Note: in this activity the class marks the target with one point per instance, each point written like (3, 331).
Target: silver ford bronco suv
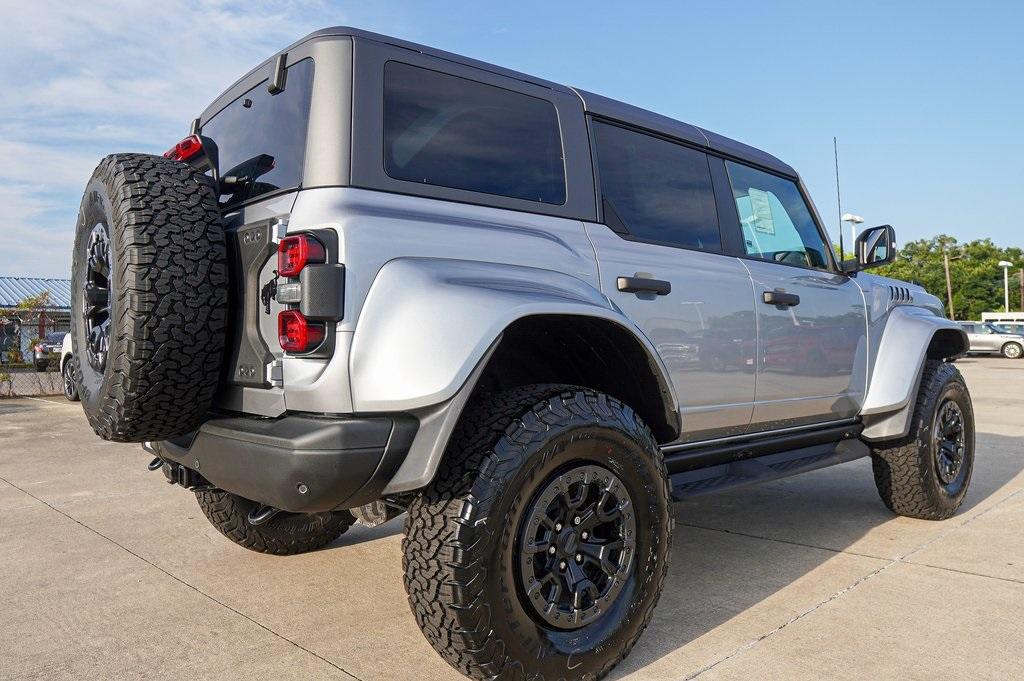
(380, 278)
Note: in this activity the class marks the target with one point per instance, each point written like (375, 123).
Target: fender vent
(899, 295)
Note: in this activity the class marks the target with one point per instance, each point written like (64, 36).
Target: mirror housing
(874, 247)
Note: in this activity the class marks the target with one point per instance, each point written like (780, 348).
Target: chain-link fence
(18, 380)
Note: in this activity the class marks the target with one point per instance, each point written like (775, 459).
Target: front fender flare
(427, 323)
(910, 337)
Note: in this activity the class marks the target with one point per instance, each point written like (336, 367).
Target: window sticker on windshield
(761, 208)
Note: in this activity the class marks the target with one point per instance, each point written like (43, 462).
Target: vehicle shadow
(359, 534)
(735, 550)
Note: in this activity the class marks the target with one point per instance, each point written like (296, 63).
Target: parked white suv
(992, 338)
(378, 277)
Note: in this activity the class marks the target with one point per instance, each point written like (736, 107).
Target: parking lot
(108, 572)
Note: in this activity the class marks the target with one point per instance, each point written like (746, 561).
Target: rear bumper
(303, 464)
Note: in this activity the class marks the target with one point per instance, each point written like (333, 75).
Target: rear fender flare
(428, 323)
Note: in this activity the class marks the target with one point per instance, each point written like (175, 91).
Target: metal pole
(839, 203)
(949, 283)
(1006, 289)
(1022, 289)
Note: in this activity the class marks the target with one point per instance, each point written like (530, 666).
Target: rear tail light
(295, 252)
(39, 348)
(296, 333)
(186, 149)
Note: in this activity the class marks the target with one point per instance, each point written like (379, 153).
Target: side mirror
(873, 248)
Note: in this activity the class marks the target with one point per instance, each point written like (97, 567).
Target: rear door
(662, 262)
(812, 333)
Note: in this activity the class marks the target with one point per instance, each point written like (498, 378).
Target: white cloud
(84, 79)
(29, 249)
(27, 162)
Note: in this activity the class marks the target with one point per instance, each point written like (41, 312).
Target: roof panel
(602, 106)
(13, 290)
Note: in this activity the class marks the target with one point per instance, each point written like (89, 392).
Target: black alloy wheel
(576, 546)
(96, 300)
(948, 442)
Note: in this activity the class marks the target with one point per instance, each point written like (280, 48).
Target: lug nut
(561, 565)
(551, 549)
(558, 527)
(579, 557)
(584, 535)
(576, 520)
(302, 488)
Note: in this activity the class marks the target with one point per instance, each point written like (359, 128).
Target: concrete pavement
(107, 572)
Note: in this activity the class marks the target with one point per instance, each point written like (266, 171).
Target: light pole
(854, 220)
(949, 280)
(1006, 284)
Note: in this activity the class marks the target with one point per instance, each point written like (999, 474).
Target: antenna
(839, 202)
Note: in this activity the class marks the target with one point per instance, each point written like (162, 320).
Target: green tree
(976, 277)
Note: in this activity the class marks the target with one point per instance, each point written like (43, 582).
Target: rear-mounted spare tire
(149, 300)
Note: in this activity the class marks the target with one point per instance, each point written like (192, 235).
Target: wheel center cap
(570, 542)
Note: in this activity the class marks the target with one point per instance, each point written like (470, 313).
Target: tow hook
(261, 514)
(177, 474)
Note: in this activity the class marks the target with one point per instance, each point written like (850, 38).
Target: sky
(925, 98)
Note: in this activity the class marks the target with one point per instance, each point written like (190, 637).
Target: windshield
(260, 138)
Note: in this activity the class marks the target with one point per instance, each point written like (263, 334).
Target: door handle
(780, 298)
(642, 285)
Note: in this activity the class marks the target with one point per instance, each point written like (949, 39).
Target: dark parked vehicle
(46, 353)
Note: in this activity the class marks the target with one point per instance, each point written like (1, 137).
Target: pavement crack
(778, 541)
(850, 587)
(183, 582)
(1011, 580)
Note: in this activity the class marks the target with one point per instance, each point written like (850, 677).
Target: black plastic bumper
(303, 464)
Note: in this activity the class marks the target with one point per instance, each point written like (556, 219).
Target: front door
(661, 263)
(812, 333)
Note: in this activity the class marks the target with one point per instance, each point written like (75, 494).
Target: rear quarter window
(261, 138)
(453, 132)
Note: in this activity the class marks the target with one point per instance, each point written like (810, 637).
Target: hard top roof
(592, 103)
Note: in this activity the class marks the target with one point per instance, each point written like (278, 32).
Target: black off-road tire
(907, 472)
(462, 533)
(285, 534)
(165, 293)
(1013, 350)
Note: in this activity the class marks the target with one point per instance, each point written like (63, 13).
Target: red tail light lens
(295, 252)
(296, 333)
(185, 149)
(39, 348)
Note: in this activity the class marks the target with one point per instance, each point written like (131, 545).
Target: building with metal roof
(18, 328)
(13, 290)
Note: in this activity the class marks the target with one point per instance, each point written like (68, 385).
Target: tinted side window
(660, 191)
(453, 132)
(777, 225)
(261, 138)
